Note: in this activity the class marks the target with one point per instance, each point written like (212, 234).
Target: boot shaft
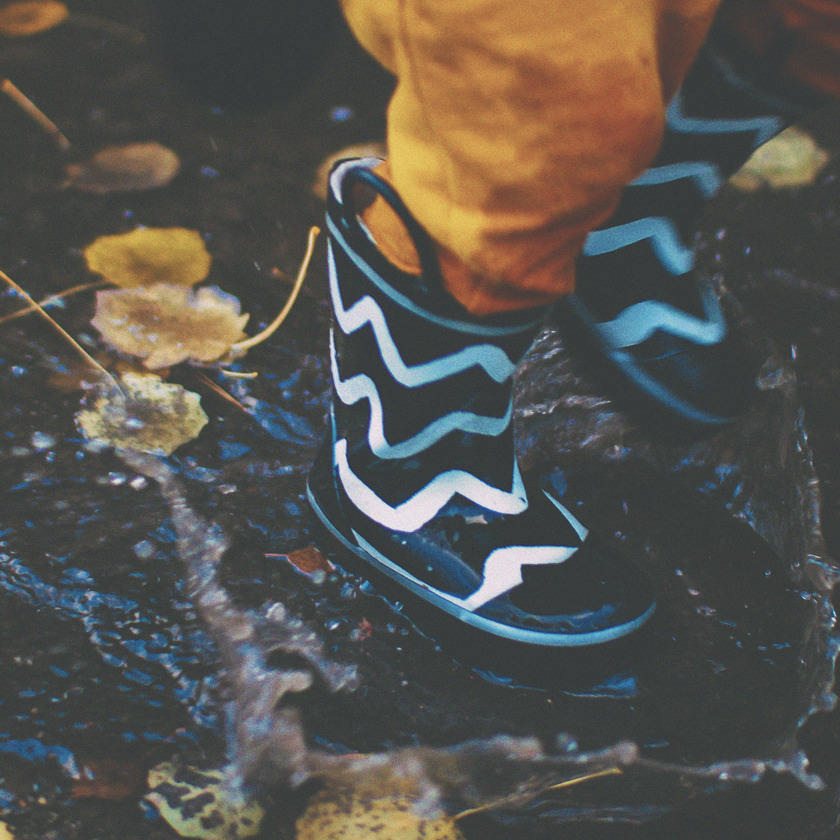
(422, 390)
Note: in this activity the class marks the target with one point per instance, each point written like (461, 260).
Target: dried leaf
(165, 325)
(137, 166)
(109, 779)
(150, 255)
(150, 416)
(372, 149)
(199, 803)
(29, 17)
(333, 815)
(307, 560)
(791, 159)
(5, 832)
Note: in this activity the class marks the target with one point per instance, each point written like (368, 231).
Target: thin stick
(50, 320)
(517, 799)
(30, 108)
(609, 771)
(237, 374)
(73, 290)
(217, 389)
(241, 346)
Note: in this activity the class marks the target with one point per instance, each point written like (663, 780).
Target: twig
(217, 389)
(242, 346)
(50, 320)
(609, 771)
(33, 111)
(237, 374)
(517, 799)
(73, 290)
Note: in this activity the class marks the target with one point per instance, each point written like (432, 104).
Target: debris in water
(133, 167)
(143, 256)
(791, 159)
(29, 17)
(165, 324)
(202, 803)
(309, 560)
(341, 815)
(146, 414)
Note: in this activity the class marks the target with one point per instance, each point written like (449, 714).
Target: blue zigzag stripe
(362, 387)
(662, 233)
(762, 127)
(424, 505)
(493, 360)
(705, 175)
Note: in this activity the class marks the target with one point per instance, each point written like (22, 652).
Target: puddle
(142, 599)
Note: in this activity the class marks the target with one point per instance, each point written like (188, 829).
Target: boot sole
(642, 395)
(441, 610)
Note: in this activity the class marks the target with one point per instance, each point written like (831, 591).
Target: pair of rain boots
(418, 478)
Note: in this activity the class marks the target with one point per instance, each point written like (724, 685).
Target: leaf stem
(519, 799)
(73, 290)
(242, 346)
(34, 112)
(75, 344)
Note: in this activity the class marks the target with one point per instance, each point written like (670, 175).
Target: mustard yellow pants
(515, 124)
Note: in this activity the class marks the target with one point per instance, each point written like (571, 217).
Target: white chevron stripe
(705, 175)
(762, 127)
(425, 504)
(503, 569)
(361, 387)
(662, 232)
(640, 321)
(492, 359)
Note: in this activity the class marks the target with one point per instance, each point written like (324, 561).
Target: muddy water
(719, 716)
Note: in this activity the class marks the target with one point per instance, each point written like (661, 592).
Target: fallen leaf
(5, 833)
(137, 166)
(150, 415)
(29, 17)
(333, 815)
(199, 803)
(791, 159)
(143, 256)
(307, 560)
(109, 779)
(373, 148)
(165, 325)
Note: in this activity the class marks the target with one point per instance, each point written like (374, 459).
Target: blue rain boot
(638, 302)
(418, 478)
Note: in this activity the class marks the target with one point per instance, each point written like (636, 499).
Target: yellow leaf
(149, 416)
(338, 815)
(198, 803)
(136, 166)
(28, 17)
(5, 833)
(791, 159)
(150, 255)
(165, 325)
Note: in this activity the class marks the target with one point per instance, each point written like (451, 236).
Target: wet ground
(720, 717)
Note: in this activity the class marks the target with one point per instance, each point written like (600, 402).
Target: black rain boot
(657, 324)
(418, 476)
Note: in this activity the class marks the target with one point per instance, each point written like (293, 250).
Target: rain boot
(655, 321)
(418, 478)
